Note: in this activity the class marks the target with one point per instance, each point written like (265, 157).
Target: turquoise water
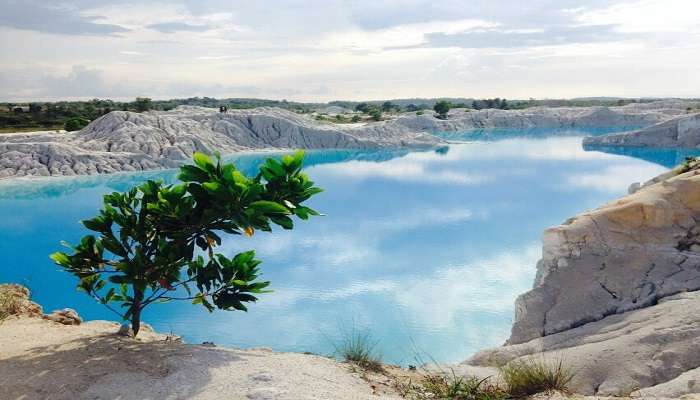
(426, 250)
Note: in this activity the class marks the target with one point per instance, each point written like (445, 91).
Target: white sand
(44, 360)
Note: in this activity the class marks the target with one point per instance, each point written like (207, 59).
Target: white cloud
(359, 50)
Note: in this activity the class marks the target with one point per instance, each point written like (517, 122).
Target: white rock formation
(546, 117)
(652, 349)
(681, 131)
(126, 141)
(616, 294)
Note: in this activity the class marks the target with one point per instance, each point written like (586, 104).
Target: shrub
(75, 124)
(376, 114)
(359, 349)
(143, 104)
(356, 118)
(442, 107)
(421, 112)
(530, 376)
(147, 237)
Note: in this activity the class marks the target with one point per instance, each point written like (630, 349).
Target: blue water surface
(426, 250)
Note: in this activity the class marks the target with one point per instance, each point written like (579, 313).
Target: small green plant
(360, 349)
(75, 124)
(375, 114)
(689, 164)
(529, 376)
(420, 112)
(356, 118)
(156, 241)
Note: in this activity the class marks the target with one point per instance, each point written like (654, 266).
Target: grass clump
(9, 304)
(459, 388)
(360, 349)
(530, 376)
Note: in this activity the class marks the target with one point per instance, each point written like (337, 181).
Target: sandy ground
(44, 360)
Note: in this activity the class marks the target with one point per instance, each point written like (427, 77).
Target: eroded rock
(623, 256)
(67, 316)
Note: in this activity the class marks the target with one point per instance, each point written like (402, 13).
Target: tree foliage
(442, 107)
(143, 104)
(157, 242)
(75, 124)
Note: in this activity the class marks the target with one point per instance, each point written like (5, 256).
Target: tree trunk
(136, 311)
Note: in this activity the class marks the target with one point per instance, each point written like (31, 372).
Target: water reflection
(428, 250)
(668, 158)
(494, 134)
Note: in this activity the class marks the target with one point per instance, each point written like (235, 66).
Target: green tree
(375, 113)
(363, 108)
(388, 106)
(356, 118)
(75, 124)
(143, 104)
(147, 238)
(442, 107)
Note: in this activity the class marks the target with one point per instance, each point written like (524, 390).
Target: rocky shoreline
(127, 141)
(616, 293)
(681, 131)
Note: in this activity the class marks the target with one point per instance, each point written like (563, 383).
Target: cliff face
(615, 293)
(126, 141)
(682, 131)
(625, 255)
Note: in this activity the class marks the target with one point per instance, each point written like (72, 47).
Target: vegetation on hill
(156, 242)
(54, 115)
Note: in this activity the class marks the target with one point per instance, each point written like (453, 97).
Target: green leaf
(203, 161)
(60, 258)
(268, 207)
(191, 173)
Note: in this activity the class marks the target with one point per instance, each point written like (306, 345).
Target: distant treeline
(74, 114)
(55, 115)
(477, 104)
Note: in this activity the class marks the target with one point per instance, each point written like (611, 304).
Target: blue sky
(337, 49)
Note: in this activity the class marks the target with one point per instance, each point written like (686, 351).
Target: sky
(348, 50)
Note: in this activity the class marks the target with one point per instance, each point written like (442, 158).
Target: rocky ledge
(681, 131)
(126, 141)
(616, 294)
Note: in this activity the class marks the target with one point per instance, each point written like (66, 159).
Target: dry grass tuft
(531, 376)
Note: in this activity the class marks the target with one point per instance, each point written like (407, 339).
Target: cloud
(360, 50)
(173, 27)
(46, 17)
(495, 38)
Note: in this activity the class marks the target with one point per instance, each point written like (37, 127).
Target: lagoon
(426, 250)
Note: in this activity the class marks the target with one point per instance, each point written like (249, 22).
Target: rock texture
(616, 294)
(682, 131)
(650, 351)
(67, 316)
(546, 117)
(126, 141)
(625, 255)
